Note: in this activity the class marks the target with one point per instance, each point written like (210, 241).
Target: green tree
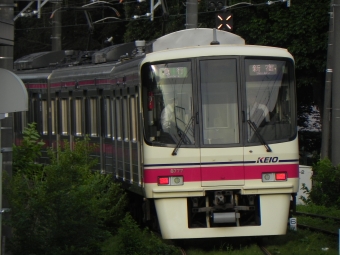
(27, 154)
(326, 185)
(66, 208)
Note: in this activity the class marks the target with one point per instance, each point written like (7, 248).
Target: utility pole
(191, 14)
(6, 121)
(327, 112)
(336, 87)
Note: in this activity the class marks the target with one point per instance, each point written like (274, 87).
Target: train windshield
(270, 100)
(219, 101)
(237, 100)
(169, 104)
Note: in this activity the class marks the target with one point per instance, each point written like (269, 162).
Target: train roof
(218, 50)
(195, 37)
(197, 42)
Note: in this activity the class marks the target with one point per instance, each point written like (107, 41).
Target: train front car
(220, 150)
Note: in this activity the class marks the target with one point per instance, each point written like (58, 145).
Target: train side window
(35, 111)
(23, 120)
(78, 117)
(113, 118)
(133, 121)
(119, 119)
(20, 119)
(44, 117)
(53, 117)
(107, 117)
(91, 114)
(125, 119)
(64, 116)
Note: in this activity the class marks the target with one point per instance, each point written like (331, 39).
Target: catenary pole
(326, 121)
(335, 155)
(191, 14)
(56, 27)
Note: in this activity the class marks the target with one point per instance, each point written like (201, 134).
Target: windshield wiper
(254, 127)
(178, 145)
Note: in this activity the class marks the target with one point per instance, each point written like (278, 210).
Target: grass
(327, 224)
(321, 210)
(301, 242)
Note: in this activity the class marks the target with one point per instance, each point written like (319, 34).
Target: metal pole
(326, 126)
(56, 30)
(191, 14)
(336, 87)
(0, 193)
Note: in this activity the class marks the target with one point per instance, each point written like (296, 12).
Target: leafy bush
(131, 240)
(65, 208)
(26, 154)
(326, 185)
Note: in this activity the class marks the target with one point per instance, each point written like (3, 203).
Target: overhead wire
(117, 20)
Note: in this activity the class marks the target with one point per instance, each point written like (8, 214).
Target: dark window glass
(219, 101)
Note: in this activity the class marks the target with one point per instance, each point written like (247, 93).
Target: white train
(200, 125)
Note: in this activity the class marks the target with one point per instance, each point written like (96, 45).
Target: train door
(219, 97)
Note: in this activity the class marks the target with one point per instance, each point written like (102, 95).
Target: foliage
(131, 240)
(28, 152)
(66, 208)
(326, 184)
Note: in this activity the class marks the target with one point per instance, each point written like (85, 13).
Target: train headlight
(273, 177)
(170, 180)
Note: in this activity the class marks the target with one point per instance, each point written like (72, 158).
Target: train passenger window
(35, 108)
(270, 100)
(20, 119)
(107, 117)
(133, 108)
(113, 118)
(78, 117)
(64, 127)
(168, 102)
(219, 101)
(23, 118)
(44, 113)
(93, 117)
(119, 119)
(125, 119)
(53, 115)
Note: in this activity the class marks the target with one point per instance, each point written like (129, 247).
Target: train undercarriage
(223, 208)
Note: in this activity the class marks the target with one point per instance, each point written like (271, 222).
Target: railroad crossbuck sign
(224, 21)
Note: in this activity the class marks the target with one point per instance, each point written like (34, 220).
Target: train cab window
(63, 115)
(78, 117)
(44, 117)
(270, 100)
(53, 116)
(133, 108)
(168, 102)
(219, 101)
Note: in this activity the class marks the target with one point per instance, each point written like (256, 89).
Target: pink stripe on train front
(218, 173)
